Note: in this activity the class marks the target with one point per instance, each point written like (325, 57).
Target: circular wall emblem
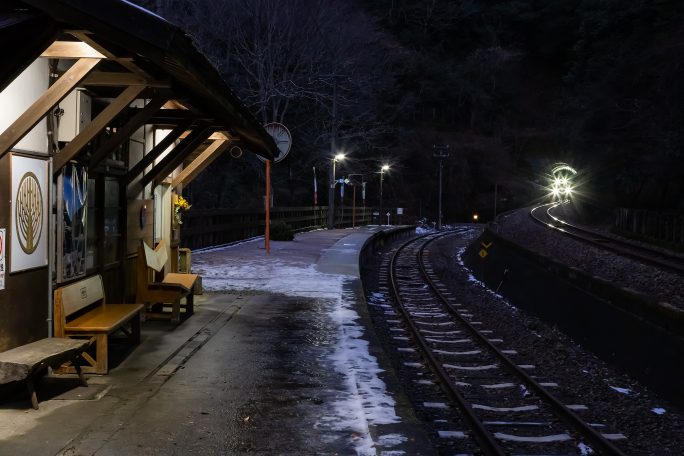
(29, 213)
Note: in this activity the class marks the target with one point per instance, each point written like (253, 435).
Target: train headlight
(561, 181)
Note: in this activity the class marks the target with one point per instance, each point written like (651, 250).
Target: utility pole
(496, 185)
(440, 152)
(333, 151)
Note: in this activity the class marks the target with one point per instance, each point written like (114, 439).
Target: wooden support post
(56, 93)
(267, 230)
(210, 154)
(32, 392)
(93, 128)
(124, 133)
(354, 208)
(79, 371)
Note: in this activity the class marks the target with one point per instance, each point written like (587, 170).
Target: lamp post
(440, 152)
(382, 173)
(354, 197)
(331, 190)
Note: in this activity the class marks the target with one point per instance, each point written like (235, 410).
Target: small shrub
(281, 231)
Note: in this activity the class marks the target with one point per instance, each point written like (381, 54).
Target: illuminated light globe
(561, 184)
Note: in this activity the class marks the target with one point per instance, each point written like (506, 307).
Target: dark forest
(511, 86)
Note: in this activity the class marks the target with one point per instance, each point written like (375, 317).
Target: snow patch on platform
(365, 400)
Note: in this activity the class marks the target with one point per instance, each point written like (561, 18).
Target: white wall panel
(18, 96)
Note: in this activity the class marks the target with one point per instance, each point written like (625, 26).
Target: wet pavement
(279, 358)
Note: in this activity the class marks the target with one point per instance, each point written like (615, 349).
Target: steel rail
(562, 410)
(488, 443)
(624, 248)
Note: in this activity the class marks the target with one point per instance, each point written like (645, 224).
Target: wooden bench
(157, 289)
(28, 362)
(82, 312)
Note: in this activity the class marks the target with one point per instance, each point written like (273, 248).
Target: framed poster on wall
(71, 226)
(28, 229)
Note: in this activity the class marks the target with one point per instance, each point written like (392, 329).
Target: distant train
(562, 182)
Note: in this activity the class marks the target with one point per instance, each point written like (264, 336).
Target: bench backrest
(74, 297)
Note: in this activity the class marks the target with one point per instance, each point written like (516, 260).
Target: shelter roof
(131, 34)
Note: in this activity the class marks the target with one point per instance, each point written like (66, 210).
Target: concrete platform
(279, 358)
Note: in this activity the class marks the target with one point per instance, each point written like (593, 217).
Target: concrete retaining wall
(633, 331)
(378, 240)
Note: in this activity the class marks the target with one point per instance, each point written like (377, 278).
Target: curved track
(507, 408)
(543, 215)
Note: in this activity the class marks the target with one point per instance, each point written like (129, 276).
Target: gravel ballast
(612, 397)
(520, 228)
(652, 426)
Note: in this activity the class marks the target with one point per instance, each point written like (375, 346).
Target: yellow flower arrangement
(180, 204)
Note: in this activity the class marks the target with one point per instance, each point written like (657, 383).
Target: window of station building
(91, 227)
(104, 223)
(112, 221)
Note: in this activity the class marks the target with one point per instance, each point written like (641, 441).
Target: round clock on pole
(283, 139)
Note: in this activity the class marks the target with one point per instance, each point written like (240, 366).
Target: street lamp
(331, 190)
(382, 173)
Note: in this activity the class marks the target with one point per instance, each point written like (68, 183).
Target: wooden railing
(210, 227)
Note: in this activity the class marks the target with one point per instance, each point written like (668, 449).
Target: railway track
(499, 406)
(543, 215)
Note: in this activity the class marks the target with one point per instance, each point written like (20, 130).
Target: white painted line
(471, 368)
(469, 352)
(516, 423)
(614, 436)
(438, 405)
(532, 439)
(427, 323)
(522, 408)
(456, 341)
(577, 407)
(499, 385)
(451, 434)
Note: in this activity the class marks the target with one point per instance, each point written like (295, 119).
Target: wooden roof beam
(96, 126)
(198, 165)
(173, 159)
(111, 79)
(124, 133)
(156, 151)
(71, 50)
(53, 95)
(214, 136)
(125, 62)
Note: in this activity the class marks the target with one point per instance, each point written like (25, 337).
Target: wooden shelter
(106, 109)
